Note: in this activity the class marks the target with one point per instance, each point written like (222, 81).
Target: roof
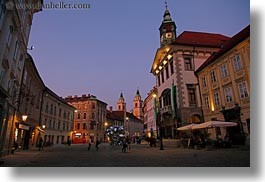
(84, 97)
(228, 45)
(119, 115)
(57, 97)
(200, 39)
(30, 60)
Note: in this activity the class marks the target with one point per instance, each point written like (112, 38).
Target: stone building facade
(15, 26)
(178, 95)
(57, 119)
(89, 118)
(224, 81)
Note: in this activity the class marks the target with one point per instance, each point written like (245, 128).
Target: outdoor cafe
(205, 135)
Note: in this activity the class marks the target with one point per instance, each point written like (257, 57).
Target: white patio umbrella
(187, 127)
(213, 124)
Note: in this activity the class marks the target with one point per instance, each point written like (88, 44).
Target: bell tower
(137, 106)
(121, 105)
(167, 29)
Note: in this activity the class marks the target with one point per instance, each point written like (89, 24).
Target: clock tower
(137, 106)
(167, 29)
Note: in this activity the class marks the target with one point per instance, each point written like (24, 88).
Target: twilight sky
(111, 46)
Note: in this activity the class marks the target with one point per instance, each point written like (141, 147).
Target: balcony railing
(166, 109)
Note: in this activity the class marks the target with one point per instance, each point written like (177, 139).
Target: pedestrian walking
(89, 144)
(97, 144)
(41, 144)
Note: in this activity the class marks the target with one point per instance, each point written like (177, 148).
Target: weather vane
(166, 4)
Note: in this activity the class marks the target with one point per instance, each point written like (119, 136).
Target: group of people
(90, 143)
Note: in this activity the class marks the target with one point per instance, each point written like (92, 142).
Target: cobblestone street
(138, 156)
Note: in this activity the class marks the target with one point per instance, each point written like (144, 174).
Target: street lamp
(127, 123)
(158, 121)
(105, 134)
(24, 117)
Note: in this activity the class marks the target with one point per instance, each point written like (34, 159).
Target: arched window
(84, 115)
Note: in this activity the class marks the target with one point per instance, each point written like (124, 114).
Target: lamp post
(24, 117)
(127, 123)
(158, 121)
(105, 136)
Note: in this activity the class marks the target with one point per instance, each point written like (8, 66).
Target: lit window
(224, 71)
(243, 91)
(188, 64)
(213, 76)
(204, 83)
(216, 99)
(237, 63)
(228, 94)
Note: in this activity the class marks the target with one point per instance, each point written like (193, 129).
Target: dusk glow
(110, 47)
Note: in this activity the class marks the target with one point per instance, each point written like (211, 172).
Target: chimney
(110, 108)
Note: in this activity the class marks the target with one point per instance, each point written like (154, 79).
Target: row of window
(224, 70)
(85, 116)
(85, 106)
(65, 126)
(229, 97)
(92, 126)
(53, 111)
(165, 72)
(188, 66)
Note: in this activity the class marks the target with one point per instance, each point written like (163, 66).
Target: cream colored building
(89, 118)
(57, 119)
(224, 81)
(150, 124)
(15, 25)
(178, 95)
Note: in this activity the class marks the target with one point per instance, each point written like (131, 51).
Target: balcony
(166, 110)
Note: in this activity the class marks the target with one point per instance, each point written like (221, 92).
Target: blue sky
(110, 47)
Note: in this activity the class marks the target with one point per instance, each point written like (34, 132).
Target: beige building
(57, 119)
(150, 125)
(29, 105)
(178, 95)
(224, 81)
(89, 118)
(15, 25)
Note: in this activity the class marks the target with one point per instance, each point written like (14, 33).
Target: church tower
(137, 106)
(121, 105)
(167, 29)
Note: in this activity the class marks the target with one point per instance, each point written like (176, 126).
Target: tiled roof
(228, 45)
(119, 115)
(200, 39)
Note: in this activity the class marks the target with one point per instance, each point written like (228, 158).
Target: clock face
(168, 35)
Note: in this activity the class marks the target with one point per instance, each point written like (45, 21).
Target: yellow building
(224, 81)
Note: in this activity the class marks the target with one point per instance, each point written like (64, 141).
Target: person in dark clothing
(89, 144)
(41, 144)
(97, 144)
